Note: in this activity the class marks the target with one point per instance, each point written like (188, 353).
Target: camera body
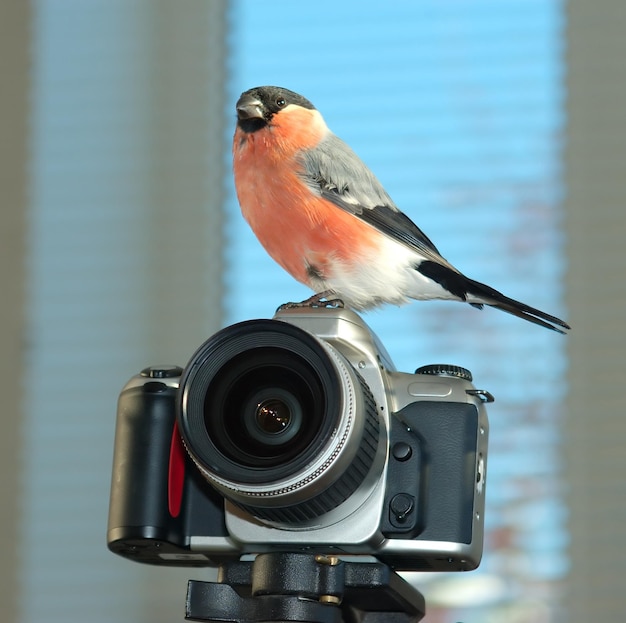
(298, 434)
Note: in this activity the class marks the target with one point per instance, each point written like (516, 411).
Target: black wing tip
(461, 286)
(526, 312)
(536, 317)
(562, 324)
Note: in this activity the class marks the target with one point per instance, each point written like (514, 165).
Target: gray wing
(339, 175)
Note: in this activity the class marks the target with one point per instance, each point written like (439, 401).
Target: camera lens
(273, 416)
(277, 415)
(262, 409)
(277, 420)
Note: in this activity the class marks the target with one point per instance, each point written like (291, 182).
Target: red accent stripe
(176, 473)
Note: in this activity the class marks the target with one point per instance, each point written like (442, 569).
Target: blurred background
(497, 126)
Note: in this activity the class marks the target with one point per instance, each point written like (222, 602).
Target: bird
(323, 216)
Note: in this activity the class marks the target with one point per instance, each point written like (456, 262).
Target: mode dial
(445, 369)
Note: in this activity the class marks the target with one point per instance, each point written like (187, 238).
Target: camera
(297, 434)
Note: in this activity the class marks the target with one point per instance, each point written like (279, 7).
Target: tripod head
(287, 587)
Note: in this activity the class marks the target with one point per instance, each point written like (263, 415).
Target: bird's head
(257, 107)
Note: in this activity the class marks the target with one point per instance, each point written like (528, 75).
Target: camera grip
(140, 507)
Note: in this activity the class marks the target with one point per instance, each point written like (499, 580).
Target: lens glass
(264, 408)
(273, 416)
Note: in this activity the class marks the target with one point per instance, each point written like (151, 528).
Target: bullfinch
(325, 218)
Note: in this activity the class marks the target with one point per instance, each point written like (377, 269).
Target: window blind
(124, 272)
(458, 109)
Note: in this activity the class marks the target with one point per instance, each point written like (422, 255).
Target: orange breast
(304, 233)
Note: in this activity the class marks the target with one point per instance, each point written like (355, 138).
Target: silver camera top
(353, 338)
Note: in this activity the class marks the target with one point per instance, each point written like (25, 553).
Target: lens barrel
(277, 420)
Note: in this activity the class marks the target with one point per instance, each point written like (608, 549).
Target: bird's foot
(324, 299)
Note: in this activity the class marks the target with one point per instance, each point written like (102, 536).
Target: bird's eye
(280, 102)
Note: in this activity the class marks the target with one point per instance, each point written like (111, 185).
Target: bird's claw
(317, 300)
(331, 304)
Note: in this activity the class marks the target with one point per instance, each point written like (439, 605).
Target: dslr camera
(297, 434)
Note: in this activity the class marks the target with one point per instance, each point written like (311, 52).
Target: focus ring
(345, 485)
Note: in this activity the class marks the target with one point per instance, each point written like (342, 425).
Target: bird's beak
(249, 108)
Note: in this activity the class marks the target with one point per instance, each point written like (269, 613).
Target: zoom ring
(344, 486)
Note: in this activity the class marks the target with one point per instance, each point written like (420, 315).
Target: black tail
(461, 286)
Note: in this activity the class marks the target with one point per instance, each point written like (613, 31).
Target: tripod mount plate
(304, 587)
